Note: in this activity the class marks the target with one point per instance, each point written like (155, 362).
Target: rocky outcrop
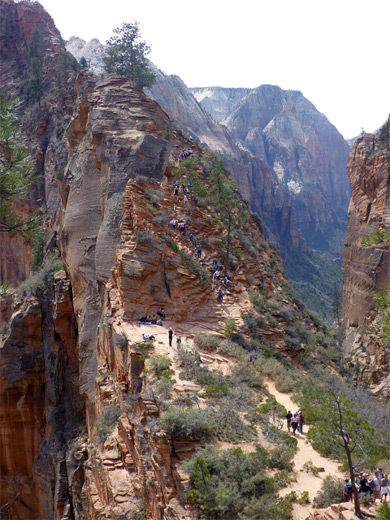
(366, 270)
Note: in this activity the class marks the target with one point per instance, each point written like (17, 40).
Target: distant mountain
(91, 51)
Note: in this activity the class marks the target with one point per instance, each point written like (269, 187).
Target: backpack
(371, 483)
(349, 489)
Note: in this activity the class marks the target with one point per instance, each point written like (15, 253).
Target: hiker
(376, 487)
(147, 337)
(170, 334)
(185, 200)
(364, 485)
(252, 358)
(181, 227)
(199, 250)
(294, 423)
(176, 192)
(214, 266)
(161, 313)
(289, 417)
(347, 491)
(301, 422)
(173, 223)
(192, 238)
(178, 343)
(220, 267)
(220, 296)
(384, 488)
(227, 280)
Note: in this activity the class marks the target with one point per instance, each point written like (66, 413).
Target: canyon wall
(366, 269)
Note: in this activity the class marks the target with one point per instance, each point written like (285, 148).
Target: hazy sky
(336, 52)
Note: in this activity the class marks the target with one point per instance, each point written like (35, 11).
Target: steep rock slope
(252, 174)
(306, 153)
(366, 270)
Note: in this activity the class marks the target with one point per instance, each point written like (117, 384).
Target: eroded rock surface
(366, 270)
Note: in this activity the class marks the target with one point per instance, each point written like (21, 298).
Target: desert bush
(41, 280)
(310, 468)
(269, 507)
(153, 195)
(207, 342)
(253, 322)
(383, 512)
(281, 458)
(331, 492)
(223, 481)
(229, 425)
(279, 437)
(187, 423)
(161, 218)
(230, 327)
(283, 478)
(141, 179)
(145, 237)
(248, 374)
(158, 366)
(107, 421)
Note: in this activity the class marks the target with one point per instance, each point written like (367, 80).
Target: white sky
(336, 52)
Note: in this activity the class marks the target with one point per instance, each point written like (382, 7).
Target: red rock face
(366, 270)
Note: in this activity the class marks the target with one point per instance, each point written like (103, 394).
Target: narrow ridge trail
(305, 481)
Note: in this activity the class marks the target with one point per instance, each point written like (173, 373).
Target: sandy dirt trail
(305, 481)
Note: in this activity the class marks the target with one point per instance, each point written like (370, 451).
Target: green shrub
(269, 507)
(230, 327)
(161, 218)
(41, 280)
(383, 512)
(222, 482)
(158, 365)
(281, 458)
(145, 237)
(187, 423)
(107, 421)
(207, 342)
(331, 492)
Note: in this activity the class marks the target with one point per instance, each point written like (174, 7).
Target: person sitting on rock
(161, 313)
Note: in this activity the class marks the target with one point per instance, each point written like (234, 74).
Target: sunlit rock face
(366, 270)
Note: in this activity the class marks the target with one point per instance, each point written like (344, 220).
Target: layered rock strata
(366, 270)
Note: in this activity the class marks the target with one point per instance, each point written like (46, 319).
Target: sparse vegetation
(107, 421)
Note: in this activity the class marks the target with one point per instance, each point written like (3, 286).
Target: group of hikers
(377, 486)
(152, 319)
(184, 154)
(218, 273)
(295, 421)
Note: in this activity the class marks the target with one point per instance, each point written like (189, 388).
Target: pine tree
(336, 304)
(339, 429)
(35, 79)
(15, 170)
(126, 53)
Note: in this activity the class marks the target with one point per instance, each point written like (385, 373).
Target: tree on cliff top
(126, 53)
(15, 171)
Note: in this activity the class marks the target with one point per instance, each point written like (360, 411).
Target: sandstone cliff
(366, 270)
